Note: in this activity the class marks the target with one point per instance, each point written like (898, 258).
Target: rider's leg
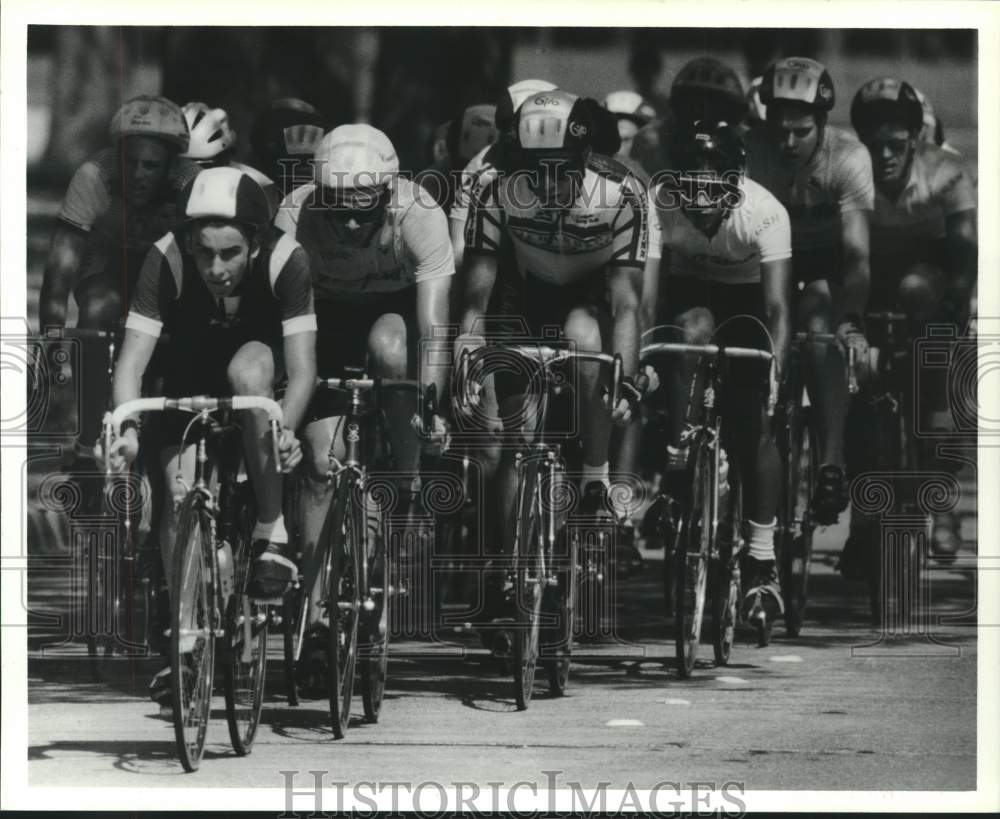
(827, 385)
(178, 475)
(582, 328)
(314, 504)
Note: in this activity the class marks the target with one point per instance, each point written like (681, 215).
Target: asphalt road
(821, 712)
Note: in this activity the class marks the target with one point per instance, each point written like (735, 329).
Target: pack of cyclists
(737, 216)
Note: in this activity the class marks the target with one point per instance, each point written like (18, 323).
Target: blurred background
(408, 80)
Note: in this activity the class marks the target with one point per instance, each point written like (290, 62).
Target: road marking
(674, 702)
(731, 680)
(624, 723)
(786, 658)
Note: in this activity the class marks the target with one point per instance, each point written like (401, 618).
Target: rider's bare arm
(857, 271)
(61, 270)
(776, 279)
(625, 290)
(963, 252)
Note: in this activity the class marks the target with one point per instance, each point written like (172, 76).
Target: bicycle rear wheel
(796, 541)
(245, 646)
(725, 571)
(344, 606)
(691, 558)
(529, 573)
(192, 630)
(375, 647)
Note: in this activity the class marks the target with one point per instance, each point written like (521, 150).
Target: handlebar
(430, 403)
(196, 404)
(542, 355)
(715, 351)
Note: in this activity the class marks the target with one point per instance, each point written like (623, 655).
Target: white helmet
(211, 134)
(629, 105)
(520, 91)
(355, 157)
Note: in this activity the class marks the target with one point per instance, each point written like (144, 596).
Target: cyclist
(473, 130)
(924, 247)
(822, 175)
(382, 267)
(578, 225)
(632, 112)
(213, 144)
(118, 203)
(727, 268)
(235, 297)
(704, 90)
(283, 140)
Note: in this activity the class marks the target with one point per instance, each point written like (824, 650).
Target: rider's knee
(583, 329)
(251, 372)
(918, 294)
(698, 325)
(387, 346)
(98, 307)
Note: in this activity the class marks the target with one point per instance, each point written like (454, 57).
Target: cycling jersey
(836, 180)
(93, 204)
(757, 231)
(273, 299)
(410, 247)
(939, 184)
(608, 224)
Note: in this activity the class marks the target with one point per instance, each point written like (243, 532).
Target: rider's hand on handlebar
(630, 394)
(436, 439)
(289, 450)
(124, 451)
(851, 337)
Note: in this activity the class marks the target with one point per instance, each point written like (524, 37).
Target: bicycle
(540, 583)
(355, 573)
(211, 564)
(708, 540)
(799, 448)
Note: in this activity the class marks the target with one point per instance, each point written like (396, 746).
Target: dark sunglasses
(895, 146)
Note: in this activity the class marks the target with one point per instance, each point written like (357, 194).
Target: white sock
(273, 532)
(761, 546)
(591, 474)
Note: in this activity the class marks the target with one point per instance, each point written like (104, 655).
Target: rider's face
(891, 147)
(796, 134)
(222, 255)
(555, 179)
(146, 161)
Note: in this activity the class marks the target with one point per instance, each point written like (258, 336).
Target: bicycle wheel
(343, 605)
(796, 541)
(725, 572)
(691, 558)
(375, 648)
(594, 586)
(192, 630)
(245, 645)
(528, 574)
(559, 607)
(292, 615)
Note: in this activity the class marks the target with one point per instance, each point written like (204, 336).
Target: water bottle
(226, 578)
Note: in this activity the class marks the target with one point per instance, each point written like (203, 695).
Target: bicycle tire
(292, 610)
(528, 572)
(194, 587)
(245, 641)
(691, 559)
(795, 552)
(344, 605)
(559, 604)
(725, 570)
(375, 649)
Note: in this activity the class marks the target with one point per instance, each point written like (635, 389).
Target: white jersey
(756, 231)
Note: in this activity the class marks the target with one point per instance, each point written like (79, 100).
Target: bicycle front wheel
(192, 630)
(375, 648)
(246, 635)
(528, 578)
(344, 605)
(691, 559)
(795, 552)
(559, 606)
(726, 571)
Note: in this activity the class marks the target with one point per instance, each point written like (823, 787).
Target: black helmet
(715, 145)
(886, 99)
(289, 128)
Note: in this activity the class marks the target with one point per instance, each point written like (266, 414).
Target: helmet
(707, 74)
(289, 128)
(472, 131)
(758, 111)
(798, 79)
(552, 121)
(629, 105)
(152, 117)
(515, 95)
(886, 98)
(355, 157)
(227, 194)
(929, 131)
(717, 145)
(210, 131)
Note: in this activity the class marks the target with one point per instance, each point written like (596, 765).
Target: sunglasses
(895, 146)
